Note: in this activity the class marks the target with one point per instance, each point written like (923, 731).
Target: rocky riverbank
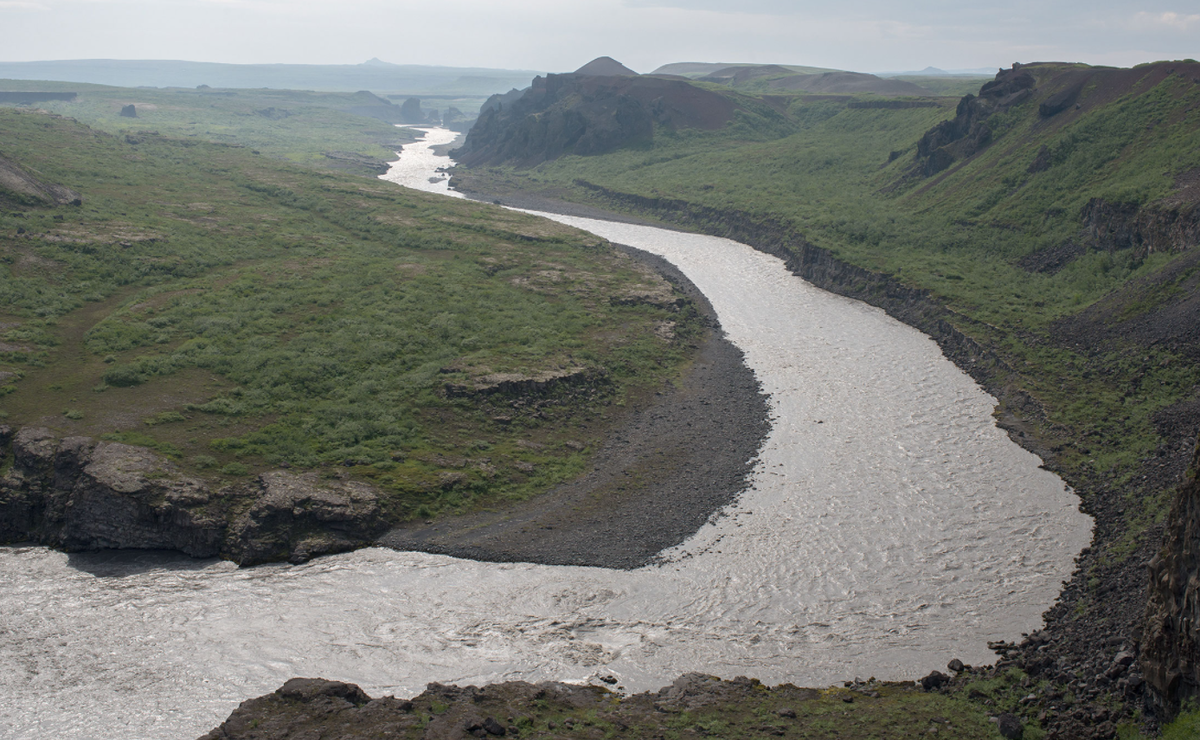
(1084, 661)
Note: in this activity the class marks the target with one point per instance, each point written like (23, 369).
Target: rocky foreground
(694, 706)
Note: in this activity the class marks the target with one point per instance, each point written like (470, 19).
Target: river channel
(889, 527)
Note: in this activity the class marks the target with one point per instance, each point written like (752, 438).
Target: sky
(561, 35)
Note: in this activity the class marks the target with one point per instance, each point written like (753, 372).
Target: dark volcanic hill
(605, 67)
(585, 114)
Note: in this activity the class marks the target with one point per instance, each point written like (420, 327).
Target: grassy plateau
(237, 313)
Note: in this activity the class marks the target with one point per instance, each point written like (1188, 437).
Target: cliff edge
(1171, 641)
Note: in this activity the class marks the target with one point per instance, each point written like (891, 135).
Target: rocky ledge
(77, 493)
(694, 706)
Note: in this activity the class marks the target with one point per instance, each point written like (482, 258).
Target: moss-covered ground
(237, 313)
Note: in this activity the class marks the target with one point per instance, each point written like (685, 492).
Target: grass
(238, 313)
(321, 129)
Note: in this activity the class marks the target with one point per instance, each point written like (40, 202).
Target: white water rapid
(890, 527)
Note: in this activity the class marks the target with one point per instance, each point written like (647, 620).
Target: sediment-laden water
(890, 527)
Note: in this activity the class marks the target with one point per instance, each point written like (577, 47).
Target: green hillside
(347, 131)
(236, 313)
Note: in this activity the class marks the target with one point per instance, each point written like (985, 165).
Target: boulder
(1010, 726)
(934, 681)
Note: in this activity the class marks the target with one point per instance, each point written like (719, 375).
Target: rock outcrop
(1166, 227)
(587, 114)
(77, 493)
(1170, 657)
(410, 111)
(968, 132)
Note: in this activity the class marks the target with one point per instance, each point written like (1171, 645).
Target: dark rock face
(1010, 726)
(1060, 101)
(585, 115)
(129, 111)
(1166, 228)
(968, 131)
(410, 111)
(80, 494)
(297, 517)
(1170, 658)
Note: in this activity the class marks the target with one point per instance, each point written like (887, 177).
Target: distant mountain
(605, 67)
(704, 69)
(846, 82)
(375, 75)
(778, 77)
(936, 72)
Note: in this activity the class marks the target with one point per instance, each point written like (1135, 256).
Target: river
(889, 527)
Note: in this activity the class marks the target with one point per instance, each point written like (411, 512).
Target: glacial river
(890, 527)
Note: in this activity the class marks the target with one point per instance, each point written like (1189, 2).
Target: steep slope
(1171, 643)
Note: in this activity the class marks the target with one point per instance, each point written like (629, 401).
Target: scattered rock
(934, 681)
(1010, 726)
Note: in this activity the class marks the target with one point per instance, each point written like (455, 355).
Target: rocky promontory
(78, 493)
(593, 111)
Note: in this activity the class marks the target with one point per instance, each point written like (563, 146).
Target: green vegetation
(235, 312)
(329, 130)
(1185, 726)
(737, 709)
(844, 180)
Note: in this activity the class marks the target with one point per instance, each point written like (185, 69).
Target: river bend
(889, 527)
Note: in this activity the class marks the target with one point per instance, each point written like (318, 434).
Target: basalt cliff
(77, 493)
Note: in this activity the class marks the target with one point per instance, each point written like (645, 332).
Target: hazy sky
(560, 35)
